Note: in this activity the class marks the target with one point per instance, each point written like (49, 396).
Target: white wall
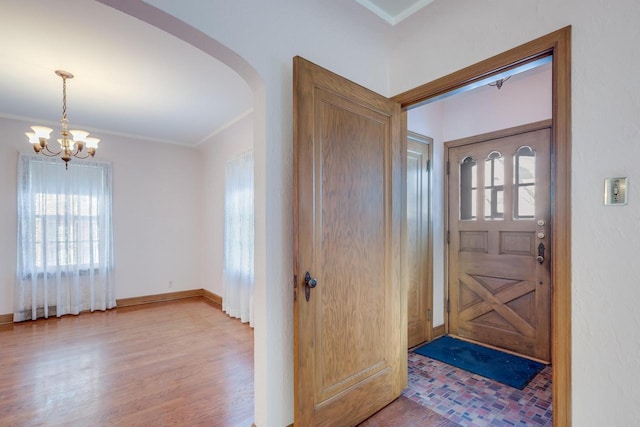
(605, 126)
(10, 139)
(524, 98)
(157, 212)
(215, 152)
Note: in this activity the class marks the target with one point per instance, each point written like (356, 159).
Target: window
(494, 186)
(238, 275)
(525, 183)
(65, 215)
(468, 188)
(62, 241)
(65, 249)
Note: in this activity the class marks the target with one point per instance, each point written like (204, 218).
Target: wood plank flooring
(178, 363)
(182, 363)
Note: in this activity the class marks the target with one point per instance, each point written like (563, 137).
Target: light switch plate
(615, 191)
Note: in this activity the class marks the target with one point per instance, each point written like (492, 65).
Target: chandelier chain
(64, 100)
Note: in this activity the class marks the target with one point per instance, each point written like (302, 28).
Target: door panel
(499, 216)
(418, 265)
(350, 335)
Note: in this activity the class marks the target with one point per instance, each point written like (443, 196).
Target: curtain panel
(65, 238)
(238, 279)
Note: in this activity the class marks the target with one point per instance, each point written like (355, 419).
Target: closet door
(419, 295)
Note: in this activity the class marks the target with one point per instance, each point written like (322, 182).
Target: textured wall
(449, 35)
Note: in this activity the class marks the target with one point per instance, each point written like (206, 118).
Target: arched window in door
(494, 186)
(468, 188)
(525, 183)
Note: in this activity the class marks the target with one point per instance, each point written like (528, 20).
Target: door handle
(540, 257)
(309, 283)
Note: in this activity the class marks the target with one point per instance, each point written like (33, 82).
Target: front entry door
(499, 231)
(350, 321)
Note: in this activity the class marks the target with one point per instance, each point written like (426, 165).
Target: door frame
(558, 44)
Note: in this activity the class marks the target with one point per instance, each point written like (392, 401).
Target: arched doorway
(183, 31)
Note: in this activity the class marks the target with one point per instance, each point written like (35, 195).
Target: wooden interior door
(350, 335)
(499, 225)
(419, 295)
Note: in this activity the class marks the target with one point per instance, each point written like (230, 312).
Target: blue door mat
(496, 365)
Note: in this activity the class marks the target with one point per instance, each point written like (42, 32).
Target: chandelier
(72, 143)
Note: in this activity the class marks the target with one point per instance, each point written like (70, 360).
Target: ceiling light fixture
(498, 83)
(69, 146)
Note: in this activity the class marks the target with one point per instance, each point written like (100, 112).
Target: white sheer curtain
(65, 251)
(237, 299)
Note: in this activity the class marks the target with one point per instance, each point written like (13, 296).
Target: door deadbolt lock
(540, 257)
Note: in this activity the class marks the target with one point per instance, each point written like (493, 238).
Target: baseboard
(438, 331)
(148, 299)
(6, 318)
(213, 298)
(170, 296)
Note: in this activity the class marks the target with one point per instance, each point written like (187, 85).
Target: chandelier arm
(51, 153)
(77, 154)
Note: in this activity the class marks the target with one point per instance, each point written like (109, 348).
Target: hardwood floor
(166, 364)
(179, 363)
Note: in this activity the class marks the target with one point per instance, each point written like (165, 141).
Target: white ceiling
(394, 11)
(131, 78)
